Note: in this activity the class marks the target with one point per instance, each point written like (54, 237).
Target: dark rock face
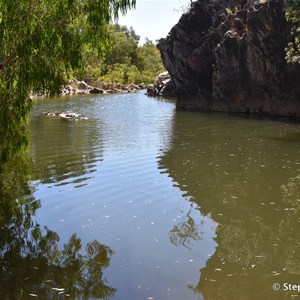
(96, 91)
(222, 60)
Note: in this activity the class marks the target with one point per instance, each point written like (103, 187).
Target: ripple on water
(186, 201)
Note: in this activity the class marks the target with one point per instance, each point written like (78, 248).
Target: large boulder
(76, 87)
(96, 91)
(163, 86)
(230, 56)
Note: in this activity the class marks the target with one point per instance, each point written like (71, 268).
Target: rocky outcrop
(230, 56)
(163, 86)
(76, 87)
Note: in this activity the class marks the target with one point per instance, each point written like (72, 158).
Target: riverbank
(76, 87)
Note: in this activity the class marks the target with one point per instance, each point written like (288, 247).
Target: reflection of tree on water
(31, 261)
(186, 231)
(251, 188)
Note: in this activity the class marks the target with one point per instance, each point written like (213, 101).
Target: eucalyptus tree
(41, 42)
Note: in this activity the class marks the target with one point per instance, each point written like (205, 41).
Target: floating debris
(58, 289)
(33, 295)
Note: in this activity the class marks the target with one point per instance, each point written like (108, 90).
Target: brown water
(143, 202)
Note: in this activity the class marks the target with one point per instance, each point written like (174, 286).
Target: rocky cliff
(230, 56)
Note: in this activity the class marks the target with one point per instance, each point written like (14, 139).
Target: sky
(153, 19)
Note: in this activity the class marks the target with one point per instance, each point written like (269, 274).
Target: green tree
(293, 16)
(125, 61)
(124, 45)
(150, 63)
(92, 64)
(41, 42)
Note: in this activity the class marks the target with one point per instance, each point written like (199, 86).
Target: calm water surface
(143, 202)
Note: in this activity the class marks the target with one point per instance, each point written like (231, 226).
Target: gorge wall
(230, 56)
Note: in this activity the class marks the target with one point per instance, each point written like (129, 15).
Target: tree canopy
(41, 41)
(125, 61)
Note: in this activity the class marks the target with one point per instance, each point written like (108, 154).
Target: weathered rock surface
(96, 91)
(81, 87)
(163, 86)
(233, 61)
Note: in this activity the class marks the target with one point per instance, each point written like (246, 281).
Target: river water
(142, 201)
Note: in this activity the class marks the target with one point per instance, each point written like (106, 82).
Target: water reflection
(225, 194)
(64, 151)
(249, 183)
(32, 262)
(186, 231)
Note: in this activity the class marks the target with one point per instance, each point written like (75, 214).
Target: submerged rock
(67, 115)
(230, 56)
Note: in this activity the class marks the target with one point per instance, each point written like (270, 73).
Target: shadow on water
(249, 184)
(33, 264)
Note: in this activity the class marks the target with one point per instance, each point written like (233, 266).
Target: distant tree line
(124, 61)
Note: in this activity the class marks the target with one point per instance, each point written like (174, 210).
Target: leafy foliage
(293, 16)
(125, 61)
(41, 41)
